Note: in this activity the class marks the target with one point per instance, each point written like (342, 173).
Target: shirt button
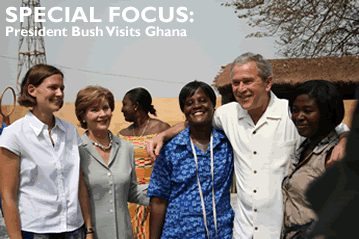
(110, 183)
(255, 171)
(255, 152)
(254, 191)
(255, 210)
(109, 174)
(110, 192)
(254, 132)
(256, 228)
(111, 210)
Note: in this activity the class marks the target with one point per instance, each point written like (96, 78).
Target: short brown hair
(35, 76)
(89, 96)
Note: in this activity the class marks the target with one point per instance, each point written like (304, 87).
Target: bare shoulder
(126, 132)
(157, 126)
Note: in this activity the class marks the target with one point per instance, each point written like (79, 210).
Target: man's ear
(31, 89)
(269, 83)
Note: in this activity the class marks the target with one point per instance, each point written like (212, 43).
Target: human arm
(9, 171)
(85, 204)
(163, 126)
(84, 196)
(160, 190)
(136, 193)
(154, 146)
(339, 150)
(157, 216)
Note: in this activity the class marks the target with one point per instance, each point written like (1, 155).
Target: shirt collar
(333, 135)
(38, 126)
(272, 112)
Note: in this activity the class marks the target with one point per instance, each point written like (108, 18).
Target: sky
(161, 64)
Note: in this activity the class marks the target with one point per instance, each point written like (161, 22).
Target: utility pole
(31, 48)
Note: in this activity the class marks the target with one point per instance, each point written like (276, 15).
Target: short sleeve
(341, 128)
(216, 122)
(160, 185)
(9, 140)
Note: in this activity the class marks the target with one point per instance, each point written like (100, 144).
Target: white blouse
(49, 175)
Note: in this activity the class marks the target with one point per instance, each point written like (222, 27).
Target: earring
(83, 121)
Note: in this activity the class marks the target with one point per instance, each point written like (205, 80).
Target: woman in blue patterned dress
(190, 181)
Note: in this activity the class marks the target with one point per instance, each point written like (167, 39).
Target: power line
(108, 74)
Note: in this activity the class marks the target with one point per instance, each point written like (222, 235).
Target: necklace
(103, 147)
(133, 129)
(200, 188)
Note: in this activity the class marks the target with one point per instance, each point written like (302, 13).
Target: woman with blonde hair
(108, 165)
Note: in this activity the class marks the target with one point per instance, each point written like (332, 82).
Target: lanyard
(200, 189)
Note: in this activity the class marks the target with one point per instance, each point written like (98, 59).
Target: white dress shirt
(49, 175)
(261, 159)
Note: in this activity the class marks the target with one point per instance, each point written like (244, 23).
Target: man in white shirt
(262, 136)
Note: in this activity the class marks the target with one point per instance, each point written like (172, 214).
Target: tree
(306, 28)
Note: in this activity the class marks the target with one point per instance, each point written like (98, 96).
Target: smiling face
(306, 115)
(49, 94)
(98, 116)
(250, 91)
(128, 108)
(198, 108)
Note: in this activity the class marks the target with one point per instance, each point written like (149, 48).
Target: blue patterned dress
(174, 179)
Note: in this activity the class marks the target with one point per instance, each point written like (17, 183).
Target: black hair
(328, 99)
(190, 88)
(143, 98)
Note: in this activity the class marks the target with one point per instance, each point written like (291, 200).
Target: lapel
(90, 148)
(116, 144)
